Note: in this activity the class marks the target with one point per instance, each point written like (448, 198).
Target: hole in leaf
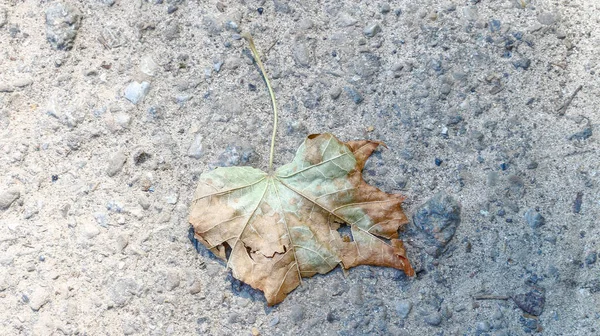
(248, 251)
(227, 250)
(345, 232)
(387, 241)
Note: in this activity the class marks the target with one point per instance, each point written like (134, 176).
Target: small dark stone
(586, 133)
(504, 166)
(578, 202)
(454, 119)
(385, 8)
(531, 302)
(523, 63)
(353, 94)
(501, 212)
(591, 258)
(403, 308)
(251, 87)
(532, 165)
(282, 7)
(593, 285)
(496, 89)
(434, 319)
(495, 25)
(534, 218)
(297, 314)
(172, 9)
(235, 155)
(437, 221)
(141, 157)
(54, 178)
(529, 324)
(518, 35)
(332, 317)
(260, 10)
(406, 154)
(438, 162)
(62, 24)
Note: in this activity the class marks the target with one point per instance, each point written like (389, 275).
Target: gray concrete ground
(111, 109)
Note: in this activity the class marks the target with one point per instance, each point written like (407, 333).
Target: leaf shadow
(238, 288)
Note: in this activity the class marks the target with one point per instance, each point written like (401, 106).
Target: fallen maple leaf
(276, 228)
(283, 226)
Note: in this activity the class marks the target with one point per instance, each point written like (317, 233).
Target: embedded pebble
(578, 202)
(39, 298)
(3, 17)
(367, 65)
(335, 92)
(403, 308)
(483, 326)
(345, 20)
(385, 8)
(530, 324)
(353, 94)
(522, 63)
(301, 54)
(546, 18)
(372, 29)
(437, 220)
(172, 280)
(274, 321)
(195, 287)
(582, 135)
(22, 82)
(144, 201)
(115, 164)
(433, 319)
(122, 119)
(90, 230)
(534, 219)
(122, 242)
(136, 92)
(123, 291)
(531, 302)
(297, 314)
(148, 65)
(62, 25)
(8, 196)
(172, 198)
(196, 150)
(235, 155)
(591, 258)
(470, 13)
(5, 87)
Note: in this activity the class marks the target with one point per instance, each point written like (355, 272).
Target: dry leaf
(274, 229)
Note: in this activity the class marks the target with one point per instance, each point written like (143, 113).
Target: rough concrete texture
(493, 103)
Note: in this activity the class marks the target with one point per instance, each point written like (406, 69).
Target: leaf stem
(248, 37)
